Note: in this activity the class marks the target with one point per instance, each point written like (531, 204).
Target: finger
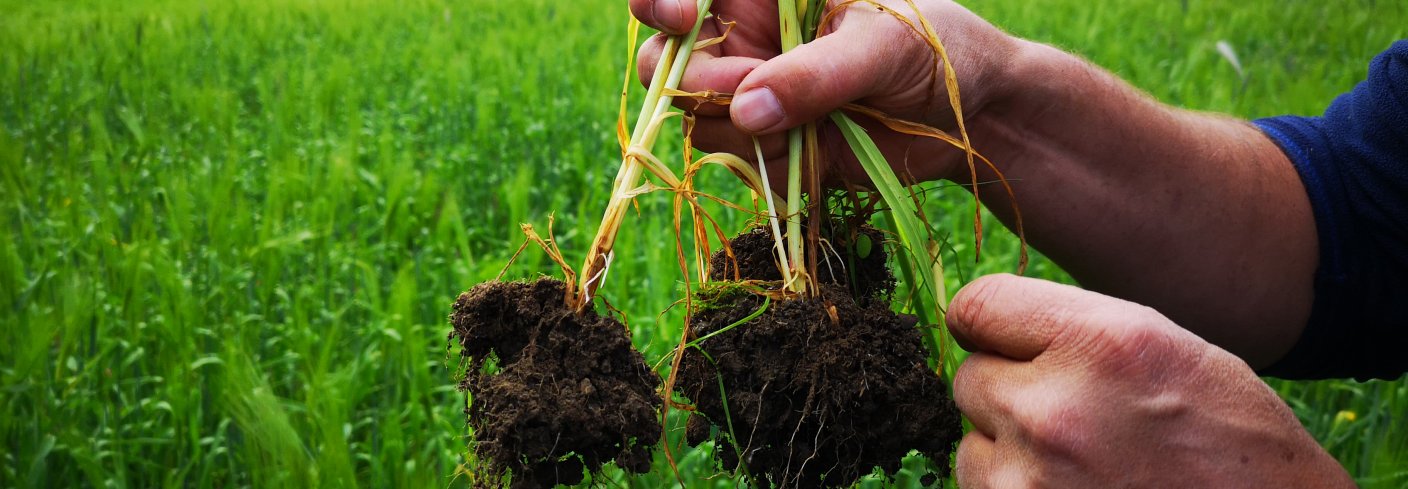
(808, 82)
(721, 75)
(669, 16)
(705, 72)
(973, 463)
(1016, 317)
(983, 389)
(649, 52)
(717, 135)
(648, 57)
(755, 31)
(777, 176)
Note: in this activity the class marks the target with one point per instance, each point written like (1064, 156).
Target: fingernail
(671, 15)
(757, 110)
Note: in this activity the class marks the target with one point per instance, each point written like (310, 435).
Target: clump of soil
(852, 256)
(553, 391)
(815, 401)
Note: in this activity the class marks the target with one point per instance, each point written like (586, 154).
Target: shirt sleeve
(1353, 161)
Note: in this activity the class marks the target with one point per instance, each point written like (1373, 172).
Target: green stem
(794, 208)
(657, 85)
(811, 18)
(790, 26)
(924, 268)
(728, 416)
(766, 302)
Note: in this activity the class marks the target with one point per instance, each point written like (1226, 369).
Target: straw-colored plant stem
(791, 27)
(653, 113)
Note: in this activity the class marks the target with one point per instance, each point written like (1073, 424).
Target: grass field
(236, 227)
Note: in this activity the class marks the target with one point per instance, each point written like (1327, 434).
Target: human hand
(862, 56)
(1069, 388)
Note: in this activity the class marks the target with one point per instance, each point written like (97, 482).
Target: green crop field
(235, 228)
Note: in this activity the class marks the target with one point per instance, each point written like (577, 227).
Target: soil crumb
(815, 402)
(553, 392)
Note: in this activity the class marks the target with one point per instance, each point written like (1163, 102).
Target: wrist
(1041, 107)
(1029, 82)
(1005, 104)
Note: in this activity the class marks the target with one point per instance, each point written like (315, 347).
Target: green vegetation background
(235, 228)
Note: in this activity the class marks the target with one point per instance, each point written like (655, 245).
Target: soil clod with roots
(850, 258)
(819, 390)
(553, 391)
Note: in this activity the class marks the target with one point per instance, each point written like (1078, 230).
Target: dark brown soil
(839, 263)
(815, 402)
(568, 392)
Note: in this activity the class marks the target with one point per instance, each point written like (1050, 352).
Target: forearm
(1196, 215)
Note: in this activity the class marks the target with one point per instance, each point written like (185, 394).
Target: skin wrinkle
(1081, 334)
(1125, 350)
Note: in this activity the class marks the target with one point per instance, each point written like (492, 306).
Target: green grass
(236, 227)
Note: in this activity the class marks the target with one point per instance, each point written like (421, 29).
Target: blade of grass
(927, 273)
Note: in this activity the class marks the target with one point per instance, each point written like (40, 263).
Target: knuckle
(1057, 432)
(1134, 342)
(1130, 344)
(804, 85)
(910, 47)
(1139, 347)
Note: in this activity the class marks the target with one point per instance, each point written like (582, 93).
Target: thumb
(1016, 317)
(807, 83)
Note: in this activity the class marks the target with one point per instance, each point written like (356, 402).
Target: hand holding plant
(861, 55)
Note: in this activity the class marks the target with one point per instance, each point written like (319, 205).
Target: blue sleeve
(1354, 164)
